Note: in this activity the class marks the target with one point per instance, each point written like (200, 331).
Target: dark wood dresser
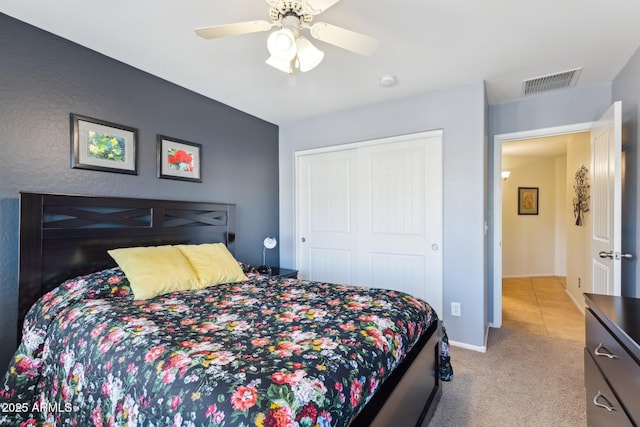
(612, 360)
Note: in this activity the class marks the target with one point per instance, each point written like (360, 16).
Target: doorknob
(614, 255)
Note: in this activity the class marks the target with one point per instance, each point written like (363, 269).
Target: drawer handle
(603, 351)
(609, 407)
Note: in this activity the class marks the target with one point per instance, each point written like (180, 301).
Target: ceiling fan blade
(236, 29)
(346, 39)
(317, 6)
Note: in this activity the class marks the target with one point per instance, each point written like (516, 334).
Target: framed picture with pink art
(178, 159)
(527, 200)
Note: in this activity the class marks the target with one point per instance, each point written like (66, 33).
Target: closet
(370, 213)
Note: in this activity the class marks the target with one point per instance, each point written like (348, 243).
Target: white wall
(531, 243)
(462, 115)
(578, 237)
(560, 267)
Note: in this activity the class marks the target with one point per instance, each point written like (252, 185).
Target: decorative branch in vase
(581, 201)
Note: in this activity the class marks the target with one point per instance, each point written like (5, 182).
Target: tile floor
(540, 305)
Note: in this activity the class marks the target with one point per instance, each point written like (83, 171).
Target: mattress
(266, 352)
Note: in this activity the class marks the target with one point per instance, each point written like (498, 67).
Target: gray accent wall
(626, 88)
(461, 114)
(44, 78)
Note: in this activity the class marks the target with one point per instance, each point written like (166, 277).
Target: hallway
(540, 305)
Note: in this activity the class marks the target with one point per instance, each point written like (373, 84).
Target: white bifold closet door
(370, 214)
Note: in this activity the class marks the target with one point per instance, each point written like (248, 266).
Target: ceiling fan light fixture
(282, 44)
(280, 64)
(287, 49)
(309, 56)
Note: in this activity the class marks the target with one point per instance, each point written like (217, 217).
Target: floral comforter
(261, 352)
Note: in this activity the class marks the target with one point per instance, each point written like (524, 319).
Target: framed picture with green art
(179, 159)
(103, 146)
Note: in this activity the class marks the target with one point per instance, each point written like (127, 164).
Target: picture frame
(528, 200)
(179, 159)
(100, 145)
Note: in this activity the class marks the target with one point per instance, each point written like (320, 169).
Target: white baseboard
(478, 348)
(580, 306)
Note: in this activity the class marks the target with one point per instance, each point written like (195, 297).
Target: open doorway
(539, 136)
(605, 214)
(543, 248)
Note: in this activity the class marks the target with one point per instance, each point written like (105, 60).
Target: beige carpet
(522, 380)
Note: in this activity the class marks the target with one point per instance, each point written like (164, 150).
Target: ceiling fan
(288, 48)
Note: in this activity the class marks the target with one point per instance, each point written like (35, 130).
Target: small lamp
(505, 175)
(269, 242)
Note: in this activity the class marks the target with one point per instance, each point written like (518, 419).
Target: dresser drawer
(603, 409)
(616, 364)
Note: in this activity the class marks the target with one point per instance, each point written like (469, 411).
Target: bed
(260, 351)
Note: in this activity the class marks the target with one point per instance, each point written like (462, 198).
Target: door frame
(498, 140)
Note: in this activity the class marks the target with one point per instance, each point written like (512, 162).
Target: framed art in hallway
(527, 200)
(178, 159)
(103, 146)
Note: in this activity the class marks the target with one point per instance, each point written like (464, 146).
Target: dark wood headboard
(63, 236)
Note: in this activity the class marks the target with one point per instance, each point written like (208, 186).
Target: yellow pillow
(155, 270)
(213, 264)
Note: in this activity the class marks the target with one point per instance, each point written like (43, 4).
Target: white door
(606, 201)
(400, 236)
(327, 212)
(371, 215)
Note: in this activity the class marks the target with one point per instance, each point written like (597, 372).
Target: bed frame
(63, 236)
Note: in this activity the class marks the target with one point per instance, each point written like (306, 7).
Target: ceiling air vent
(550, 82)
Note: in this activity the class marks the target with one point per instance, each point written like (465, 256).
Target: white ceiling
(427, 44)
